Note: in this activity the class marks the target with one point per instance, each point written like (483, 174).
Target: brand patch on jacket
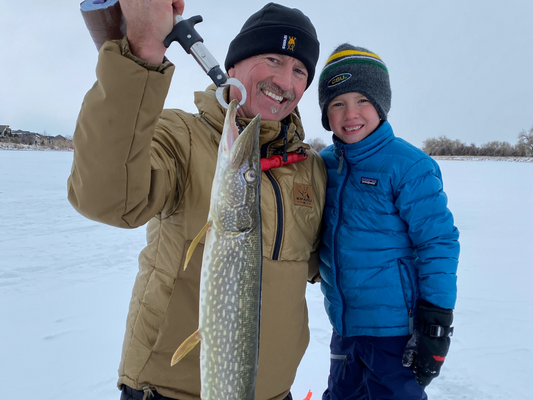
(339, 79)
(303, 195)
(369, 181)
(289, 43)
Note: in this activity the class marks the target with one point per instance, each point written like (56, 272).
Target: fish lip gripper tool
(186, 35)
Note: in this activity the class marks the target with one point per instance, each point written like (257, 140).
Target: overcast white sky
(460, 68)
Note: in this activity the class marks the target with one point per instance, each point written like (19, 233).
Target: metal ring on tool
(220, 92)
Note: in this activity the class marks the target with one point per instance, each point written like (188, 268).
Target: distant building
(47, 139)
(33, 138)
(20, 132)
(5, 130)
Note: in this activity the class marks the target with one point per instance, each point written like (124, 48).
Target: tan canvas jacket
(135, 163)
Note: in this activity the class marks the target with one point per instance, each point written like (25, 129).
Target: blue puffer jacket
(388, 238)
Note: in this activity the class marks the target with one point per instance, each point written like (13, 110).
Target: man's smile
(272, 95)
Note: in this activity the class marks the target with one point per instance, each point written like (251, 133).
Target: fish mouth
(230, 128)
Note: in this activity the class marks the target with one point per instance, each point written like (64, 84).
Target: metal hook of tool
(185, 34)
(220, 92)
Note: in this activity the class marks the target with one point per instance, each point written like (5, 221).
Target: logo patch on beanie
(289, 43)
(339, 79)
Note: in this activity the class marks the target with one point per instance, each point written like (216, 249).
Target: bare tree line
(442, 146)
(317, 144)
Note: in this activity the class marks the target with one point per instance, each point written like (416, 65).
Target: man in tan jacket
(136, 163)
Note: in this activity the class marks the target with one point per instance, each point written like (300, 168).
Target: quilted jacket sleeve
(124, 170)
(422, 204)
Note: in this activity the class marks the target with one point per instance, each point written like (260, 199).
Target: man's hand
(149, 22)
(426, 350)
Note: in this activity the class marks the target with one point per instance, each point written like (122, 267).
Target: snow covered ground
(65, 285)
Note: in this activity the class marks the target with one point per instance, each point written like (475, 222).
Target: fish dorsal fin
(185, 347)
(194, 243)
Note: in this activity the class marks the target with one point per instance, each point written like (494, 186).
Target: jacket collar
(273, 133)
(355, 152)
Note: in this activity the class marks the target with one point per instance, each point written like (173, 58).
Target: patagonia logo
(303, 195)
(289, 43)
(369, 181)
(339, 79)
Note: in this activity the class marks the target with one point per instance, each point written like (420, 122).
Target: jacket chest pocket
(371, 191)
(291, 215)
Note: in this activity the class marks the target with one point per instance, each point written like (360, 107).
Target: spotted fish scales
(230, 284)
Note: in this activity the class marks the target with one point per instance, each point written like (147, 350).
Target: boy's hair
(354, 69)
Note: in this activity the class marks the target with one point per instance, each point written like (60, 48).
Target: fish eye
(250, 176)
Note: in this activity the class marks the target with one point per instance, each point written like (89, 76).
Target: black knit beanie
(280, 30)
(354, 69)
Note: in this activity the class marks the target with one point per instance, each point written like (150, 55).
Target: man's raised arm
(116, 178)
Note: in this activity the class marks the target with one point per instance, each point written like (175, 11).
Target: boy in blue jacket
(390, 250)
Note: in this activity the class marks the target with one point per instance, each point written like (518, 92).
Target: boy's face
(352, 117)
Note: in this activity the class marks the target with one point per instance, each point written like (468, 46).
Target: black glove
(426, 350)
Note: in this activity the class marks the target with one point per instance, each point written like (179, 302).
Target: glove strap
(437, 331)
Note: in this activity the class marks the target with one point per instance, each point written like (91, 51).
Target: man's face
(274, 84)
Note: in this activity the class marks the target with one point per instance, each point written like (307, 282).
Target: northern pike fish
(230, 283)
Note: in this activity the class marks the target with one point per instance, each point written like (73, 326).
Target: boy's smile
(352, 117)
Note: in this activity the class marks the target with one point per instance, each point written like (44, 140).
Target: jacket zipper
(341, 161)
(279, 207)
(279, 201)
(407, 305)
(337, 278)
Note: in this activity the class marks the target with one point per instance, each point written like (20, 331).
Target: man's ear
(231, 72)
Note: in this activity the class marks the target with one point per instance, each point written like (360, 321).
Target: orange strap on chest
(277, 160)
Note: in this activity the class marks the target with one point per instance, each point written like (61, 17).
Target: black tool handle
(191, 41)
(184, 33)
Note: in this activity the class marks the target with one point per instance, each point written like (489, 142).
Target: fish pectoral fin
(194, 243)
(185, 347)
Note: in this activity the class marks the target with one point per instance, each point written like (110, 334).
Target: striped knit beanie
(354, 69)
